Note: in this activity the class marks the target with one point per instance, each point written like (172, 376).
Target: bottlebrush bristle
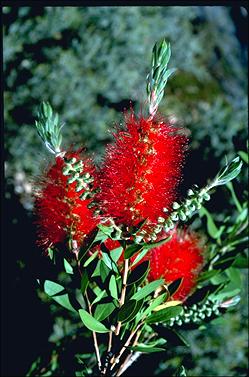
(60, 212)
(181, 257)
(141, 170)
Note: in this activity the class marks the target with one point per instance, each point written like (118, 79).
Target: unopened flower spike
(49, 129)
(197, 196)
(159, 74)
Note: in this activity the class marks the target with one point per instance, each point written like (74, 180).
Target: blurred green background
(89, 63)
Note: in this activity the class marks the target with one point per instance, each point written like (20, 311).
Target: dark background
(90, 62)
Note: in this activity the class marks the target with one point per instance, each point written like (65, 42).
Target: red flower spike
(60, 211)
(141, 171)
(181, 257)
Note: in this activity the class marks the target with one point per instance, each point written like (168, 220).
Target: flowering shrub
(132, 271)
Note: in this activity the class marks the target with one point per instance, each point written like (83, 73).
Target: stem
(132, 357)
(108, 350)
(123, 292)
(127, 343)
(95, 341)
(127, 362)
(110, 342)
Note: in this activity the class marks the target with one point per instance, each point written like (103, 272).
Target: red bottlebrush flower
(60, 211)
(141, 170)
(181, 257)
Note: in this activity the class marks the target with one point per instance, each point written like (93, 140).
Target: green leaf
(91, 258)
(219, 278)
(212, 229)
(227, 292)
(115, 254)
(164, 315)
(207, 275)
(96, 272)
(51, 253)
(113, 287)
(156, 342)
(100, 295)
(139, 226)
(147, 289)
(235, 199)
(52, 288)
(228, 173)
(234, 275)
(136, 312)
(131, 250)
(140, 256)
(107, 259)
(179, 339)
(146, 348)
(223, 263)
(79, 373)
(92, 323)
(104, 271)
(100, 237)
(126, 310)
(64, 301)
(156, 302)
(231, 302)
(244, 156)
(84, 281)
(156, 244)
(110, 231)
(241, 261)
(139, 273)
(181, 372)
(88, 243)
(174, 286)
(102, 311)
(68, 267)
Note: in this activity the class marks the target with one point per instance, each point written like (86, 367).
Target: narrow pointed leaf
(147, 289)
(139, 273)
(126, 310)
(164, 315)
(113, 287)
(91, 258)
(131, 250)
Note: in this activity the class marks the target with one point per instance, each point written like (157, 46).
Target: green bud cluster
(195, 314)
(185, 210)
(84, 180)
(181, 212)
